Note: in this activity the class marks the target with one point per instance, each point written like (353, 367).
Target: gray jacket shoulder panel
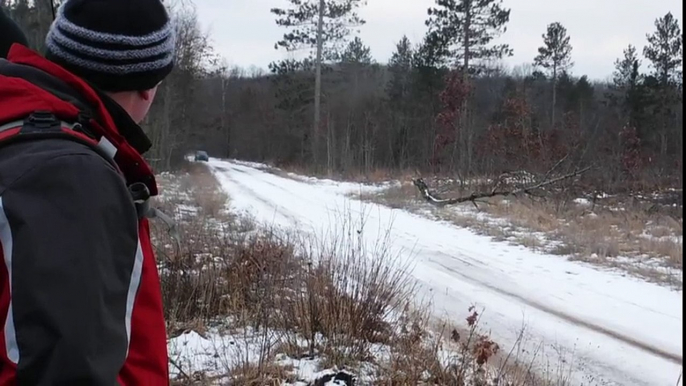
(74, 236)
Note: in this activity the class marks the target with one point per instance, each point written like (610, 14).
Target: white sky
(244, 31)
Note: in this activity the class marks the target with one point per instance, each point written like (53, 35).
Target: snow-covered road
(609, 328)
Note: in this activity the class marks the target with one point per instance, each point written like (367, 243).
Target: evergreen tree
(665, 50)
(554, 56)
(626, 70)
(461, 34)
(357, 53)
(628, 93)
(665, 53)
(400, 69)
(322, 27)
(301, 20)
(399, 92)
(463, 30)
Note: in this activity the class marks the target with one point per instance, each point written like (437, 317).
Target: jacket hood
(29, 83)
(25, 64)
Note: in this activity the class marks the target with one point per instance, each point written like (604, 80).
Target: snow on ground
(211, 353)
(549, 243)
(339, 185)
(610, 329)
(214, 354)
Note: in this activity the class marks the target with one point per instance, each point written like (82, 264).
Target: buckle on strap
(38, 122)
(46, 122)
(41, 121)
(141, 198)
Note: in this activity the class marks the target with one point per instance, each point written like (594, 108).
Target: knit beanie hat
(116, 45)
(10, 33)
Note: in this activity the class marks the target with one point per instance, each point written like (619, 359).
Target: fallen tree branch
(530, 190)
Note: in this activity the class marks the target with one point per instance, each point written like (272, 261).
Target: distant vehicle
(201, 156)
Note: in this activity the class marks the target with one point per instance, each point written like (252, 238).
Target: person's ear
(146, 95)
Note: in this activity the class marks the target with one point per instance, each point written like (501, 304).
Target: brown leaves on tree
(632, 157)
(516, 144)
(453, 99)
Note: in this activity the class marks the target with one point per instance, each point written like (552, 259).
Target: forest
(445, 105)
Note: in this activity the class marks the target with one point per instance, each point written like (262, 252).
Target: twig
(515, 346)
(179, 368)
(549, 172)
(679, 380)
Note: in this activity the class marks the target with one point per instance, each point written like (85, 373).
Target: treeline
(441, 105)
(446, 105)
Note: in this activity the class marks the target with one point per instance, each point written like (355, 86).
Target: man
(10, 33)
(80, 299)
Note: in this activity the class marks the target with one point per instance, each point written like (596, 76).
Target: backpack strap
(45, 125)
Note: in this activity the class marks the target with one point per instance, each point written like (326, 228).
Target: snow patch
(582, 201)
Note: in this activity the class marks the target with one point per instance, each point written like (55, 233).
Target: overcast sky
(244, 31)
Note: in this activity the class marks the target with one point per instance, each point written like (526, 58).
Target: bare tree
(172, 120)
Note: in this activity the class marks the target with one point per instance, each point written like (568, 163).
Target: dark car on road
(201, 156)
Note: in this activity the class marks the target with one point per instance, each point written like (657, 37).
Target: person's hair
(116, 45)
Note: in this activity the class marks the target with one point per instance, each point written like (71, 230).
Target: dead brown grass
(621, 233)
(343, 299)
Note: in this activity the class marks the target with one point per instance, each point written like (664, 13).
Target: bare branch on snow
(530, 189)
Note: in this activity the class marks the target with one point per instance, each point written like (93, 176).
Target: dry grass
(339, 302)
(636, 236)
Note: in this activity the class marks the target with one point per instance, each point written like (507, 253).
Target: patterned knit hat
(117, 45)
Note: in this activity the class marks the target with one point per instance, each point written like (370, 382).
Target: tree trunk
(460, 143)
(224, 127)
(465, 155)
(347, 154)
(552, 114)
(318, 85)
(330, 145)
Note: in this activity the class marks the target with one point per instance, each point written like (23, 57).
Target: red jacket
(80, 298)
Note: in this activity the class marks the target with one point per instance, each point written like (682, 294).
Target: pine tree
(463, 30)
(400, 93)
(665, 50)
(301, 19)
(628, 93)
(400, 68)
(626, 69)
(461, 34)
(357, 53)
(665, 53)
(320, 26)
(554, 56)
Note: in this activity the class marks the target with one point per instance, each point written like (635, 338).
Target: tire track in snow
(678, 359)
(276, 208)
